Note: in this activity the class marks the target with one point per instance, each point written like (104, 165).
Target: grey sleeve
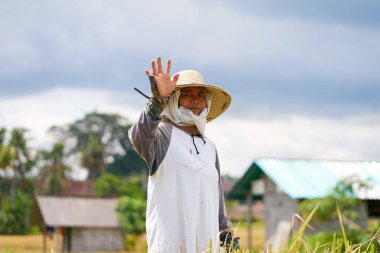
(224, 222)
(150, 141)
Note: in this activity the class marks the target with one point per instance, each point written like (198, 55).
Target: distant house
(86, 224)
(282, 183)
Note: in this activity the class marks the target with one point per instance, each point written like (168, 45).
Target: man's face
(194, 99)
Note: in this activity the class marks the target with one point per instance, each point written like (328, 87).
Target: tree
(93, 157)
(16, 184)
(13, 213)
(103, 143)
(4, 150)
(109, 185)
(53, 173)
(15, 158)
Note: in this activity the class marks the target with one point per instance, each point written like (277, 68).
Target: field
(21, 243)
(33, 243)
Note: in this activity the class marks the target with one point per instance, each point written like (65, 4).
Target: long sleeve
(224, 221)
(149, 140)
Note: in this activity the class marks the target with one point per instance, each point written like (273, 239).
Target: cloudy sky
(304, 75)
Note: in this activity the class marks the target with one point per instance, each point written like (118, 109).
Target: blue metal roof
(316, 178)
(309, 178)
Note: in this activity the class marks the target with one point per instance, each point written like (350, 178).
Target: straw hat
(220, 98)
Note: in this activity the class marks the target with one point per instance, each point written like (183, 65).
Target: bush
(131, 214)
(132, 187)
(107, 185)
(13, 213)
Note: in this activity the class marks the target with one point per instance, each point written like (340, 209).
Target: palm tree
(103, 144)
(15, 156)
(97, 137)
(53, 173)
(93, 157)
(5, 157)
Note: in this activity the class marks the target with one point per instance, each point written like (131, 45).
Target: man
(186, 210)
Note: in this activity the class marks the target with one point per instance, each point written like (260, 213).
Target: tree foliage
(93, 157)
(15, 158)
(103, 143)
(133, 186)
(16, 184)
(14, 211)
(99, 140)
(52, 175)
(109, 185)
(131, 214)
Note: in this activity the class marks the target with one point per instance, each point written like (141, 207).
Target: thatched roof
(78, 212)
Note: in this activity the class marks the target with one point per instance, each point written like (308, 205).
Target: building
(86, 224)
(283, 183)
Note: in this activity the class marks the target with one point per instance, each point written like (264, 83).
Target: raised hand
(164, 83)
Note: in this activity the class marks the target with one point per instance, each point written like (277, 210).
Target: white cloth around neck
(182, 116)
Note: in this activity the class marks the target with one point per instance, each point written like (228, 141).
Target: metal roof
(309, 178)
(78, 212)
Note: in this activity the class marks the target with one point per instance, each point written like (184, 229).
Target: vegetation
(343, 195)
(101, 141)
(14, 212)
(131, 214)
(53, 172)
(298, 243)
(102, 145)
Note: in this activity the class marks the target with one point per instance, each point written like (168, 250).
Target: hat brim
(220, 98)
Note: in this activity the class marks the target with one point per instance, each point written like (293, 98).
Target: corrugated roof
(310, 178)
(78, 212)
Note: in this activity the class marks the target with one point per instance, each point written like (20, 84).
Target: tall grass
(338, 243)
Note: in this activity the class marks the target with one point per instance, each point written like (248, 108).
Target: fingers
(159, 63)
(175, 77)
(154, 69)
(147, 72)
(168, 67)
(157, 69)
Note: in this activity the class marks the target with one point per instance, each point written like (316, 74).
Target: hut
(282, 183)
(86, 224)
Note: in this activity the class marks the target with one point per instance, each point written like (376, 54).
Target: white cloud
(61, 106)
(239, 141)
